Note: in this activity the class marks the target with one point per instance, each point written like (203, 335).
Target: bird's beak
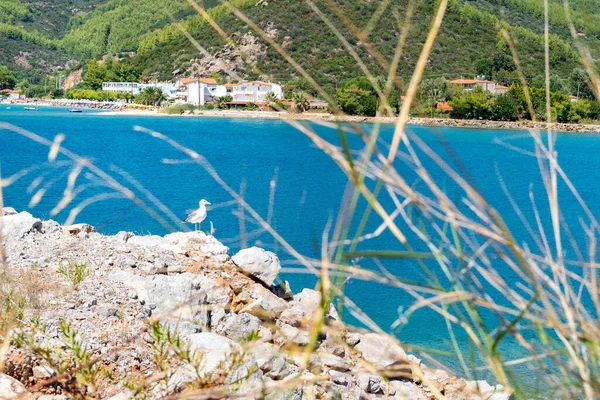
(208, 203)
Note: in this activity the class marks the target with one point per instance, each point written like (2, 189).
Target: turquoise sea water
(309, 186)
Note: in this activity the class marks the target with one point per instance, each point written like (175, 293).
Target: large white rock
(261, 302)
(10, 388)
(8, 211)
(406, 390)
(213, 348)
(15, 226)
(488, 392)
(380, 351)
(182, 242)
(259, 263)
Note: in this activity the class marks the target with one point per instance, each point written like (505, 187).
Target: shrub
(76, 272)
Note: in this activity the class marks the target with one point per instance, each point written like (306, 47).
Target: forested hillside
(47, 34)
(469, 41)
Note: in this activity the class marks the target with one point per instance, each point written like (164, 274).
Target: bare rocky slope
(163, 317)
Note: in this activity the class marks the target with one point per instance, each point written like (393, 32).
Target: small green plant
(76, 272)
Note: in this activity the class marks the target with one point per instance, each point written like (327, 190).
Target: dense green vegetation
(109, 71)
(117, 25)
(7, 79)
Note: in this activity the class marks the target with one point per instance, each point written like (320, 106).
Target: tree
(220, 103)
(271, 100)
(124, 72)
(358, 97)
(504, 109)
(95, 75)
(472, 105)
(151, 96)
(301, 103)
(7, 79)
(580, 84)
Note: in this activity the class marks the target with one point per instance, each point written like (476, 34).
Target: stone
(77, 228)
(338, 377)
(15, 226)
(240, 326)
(261, 303)
(288, 333)
(8, 211)
(216, 316)
(127, 395)
(276, 368)
(185, 297)
(83, 235)
(308, 301)
(123, 236)
(182, 242)
(335, 362)
(380, 351)
(214, 348)
(488, 392)
(175, 268)
(107, 309)
(352, 338)
(283, 290)
(43, 371)
(261, 264)
(406, 390)
(292, 316)
(10, 388)
(369, 383)
(50, 227)
(128, 262)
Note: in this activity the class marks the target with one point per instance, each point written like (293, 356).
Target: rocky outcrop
(174, 313)
(261, 264)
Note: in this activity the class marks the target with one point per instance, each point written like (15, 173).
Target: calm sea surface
(309, 186)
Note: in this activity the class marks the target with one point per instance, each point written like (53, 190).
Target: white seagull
(199, 215)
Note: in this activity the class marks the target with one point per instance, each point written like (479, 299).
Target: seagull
(198, 216)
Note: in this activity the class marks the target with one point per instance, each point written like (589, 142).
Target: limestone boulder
(261, 264)
(380, 351)
(10, 388)
(15, 226)
(239, 326)
(260, 302)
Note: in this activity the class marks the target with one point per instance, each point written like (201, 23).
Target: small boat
(78, 110)
(30, 108)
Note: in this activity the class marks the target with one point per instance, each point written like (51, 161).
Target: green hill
(469, 38)
(469, 42)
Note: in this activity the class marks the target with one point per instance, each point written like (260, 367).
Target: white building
(254, 91)
(199, 91)
(121, 87)
(12, 94)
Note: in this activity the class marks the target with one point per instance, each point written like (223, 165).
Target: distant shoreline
(440, 122)
(308, 116)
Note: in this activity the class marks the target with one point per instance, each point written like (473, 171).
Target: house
(470, 84)
(444, 107)
(11, 94)
(500, 89)
(121, 87)
(255, 91)
(199, 91)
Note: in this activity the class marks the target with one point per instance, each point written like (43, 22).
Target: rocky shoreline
(176, 315)
(441, 122)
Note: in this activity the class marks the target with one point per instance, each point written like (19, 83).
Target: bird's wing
(191, 216)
